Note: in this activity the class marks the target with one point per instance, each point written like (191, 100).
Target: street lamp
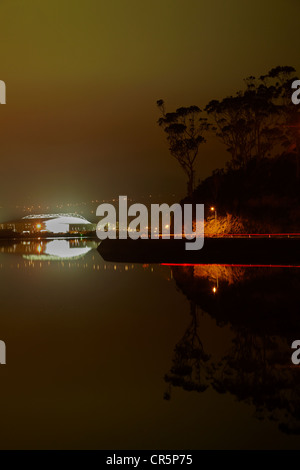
(213, 209)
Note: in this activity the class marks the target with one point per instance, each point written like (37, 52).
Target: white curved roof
(69, 218)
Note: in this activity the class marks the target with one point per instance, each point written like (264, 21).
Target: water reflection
(46, 250)
(260, 307)
(190, 368)
(217, 331)
(67, 253)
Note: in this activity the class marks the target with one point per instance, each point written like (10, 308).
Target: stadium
(50, 223)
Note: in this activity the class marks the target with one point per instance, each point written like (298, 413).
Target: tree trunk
(190, 183)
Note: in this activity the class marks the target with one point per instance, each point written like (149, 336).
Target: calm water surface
(124, 356)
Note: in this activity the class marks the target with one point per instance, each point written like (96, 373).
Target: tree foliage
(254, 122)
(184, 129)
(257, 122)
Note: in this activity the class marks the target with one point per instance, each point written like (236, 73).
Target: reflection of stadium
(50, 223)
(50, 250)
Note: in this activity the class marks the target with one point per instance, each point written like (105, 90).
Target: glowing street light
(214, 289)
(213, 209)
(38, 226)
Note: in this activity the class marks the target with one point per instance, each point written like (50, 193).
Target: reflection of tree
(257, 367)
(189, 360)
(255, 371)
(250, 368)
(262, 299)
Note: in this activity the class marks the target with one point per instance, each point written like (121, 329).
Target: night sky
(83, 78)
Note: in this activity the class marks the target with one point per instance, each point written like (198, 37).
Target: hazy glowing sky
(83, 77)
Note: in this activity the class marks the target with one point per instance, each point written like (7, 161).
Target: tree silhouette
(252, 123)
(290, 114)
(184, 129)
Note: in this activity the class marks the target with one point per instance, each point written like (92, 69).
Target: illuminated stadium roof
(59, 223)
(55, 216)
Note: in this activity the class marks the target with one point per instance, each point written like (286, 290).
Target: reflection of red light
(234, 265)
(259, 235)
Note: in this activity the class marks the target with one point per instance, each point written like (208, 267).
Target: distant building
(50, 223)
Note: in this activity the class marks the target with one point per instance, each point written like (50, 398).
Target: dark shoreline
(263, 251)
(48, 237)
